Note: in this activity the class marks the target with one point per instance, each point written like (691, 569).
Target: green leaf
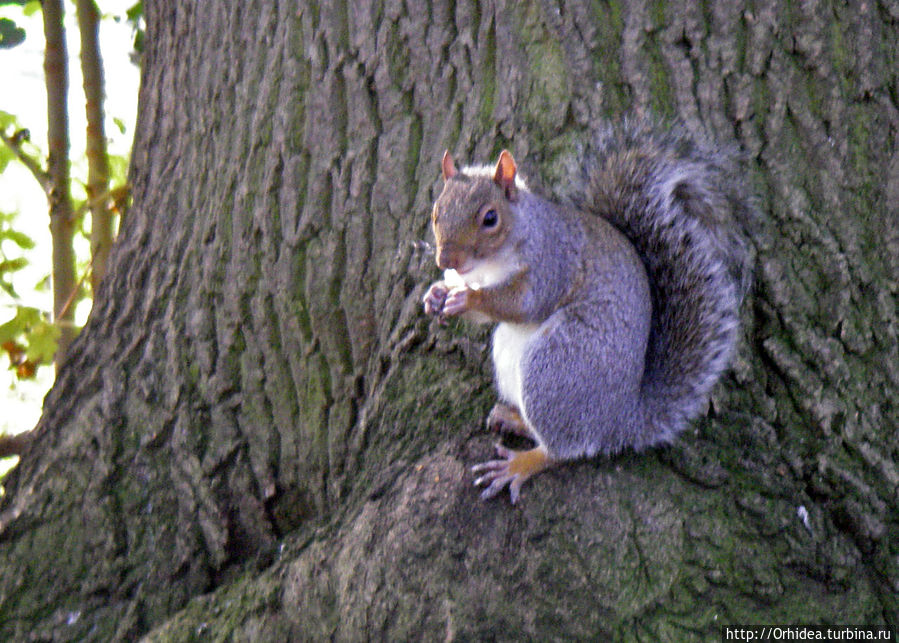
(118, 169)
(138, 41)
(25, 317)
(7, 122)
(7, 119)
(43, 284)
(19, 238)
(42, 341)
(11, 34)
(135, 12)
(120, 124)
(12, 265)
(31, 328)
(6, 155)
(7, 287)
(31, 7)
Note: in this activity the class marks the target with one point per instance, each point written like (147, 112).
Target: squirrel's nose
(448, 258)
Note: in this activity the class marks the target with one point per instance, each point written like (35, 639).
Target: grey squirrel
(617, 311)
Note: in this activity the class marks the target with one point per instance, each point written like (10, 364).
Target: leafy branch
(14, 143)
(103, 202)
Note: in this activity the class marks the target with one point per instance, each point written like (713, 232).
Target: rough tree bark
(258, 435)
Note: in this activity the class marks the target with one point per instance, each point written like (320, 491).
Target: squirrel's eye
(491, 218)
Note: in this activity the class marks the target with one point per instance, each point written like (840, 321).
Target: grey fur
(684, 206)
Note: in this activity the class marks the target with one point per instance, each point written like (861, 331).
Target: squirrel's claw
(497, 485)
(496, 473)
(513, 469)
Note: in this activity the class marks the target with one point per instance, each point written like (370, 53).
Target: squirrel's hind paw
(513, 469)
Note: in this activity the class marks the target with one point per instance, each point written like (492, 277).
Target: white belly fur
(509, 343)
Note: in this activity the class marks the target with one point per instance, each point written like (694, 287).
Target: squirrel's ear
(504, 176)
(449, 167)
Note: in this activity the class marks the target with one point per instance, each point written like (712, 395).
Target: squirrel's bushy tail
(685, 209)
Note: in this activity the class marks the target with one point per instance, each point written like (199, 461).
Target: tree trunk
(258, 435)
(59, 196)
(95, 147)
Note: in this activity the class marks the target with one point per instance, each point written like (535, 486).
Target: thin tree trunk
(258, 435)
(62, 224)
(97, 163)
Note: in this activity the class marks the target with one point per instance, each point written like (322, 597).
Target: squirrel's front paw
(435, 298)
(458, 301)
(513, 469)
